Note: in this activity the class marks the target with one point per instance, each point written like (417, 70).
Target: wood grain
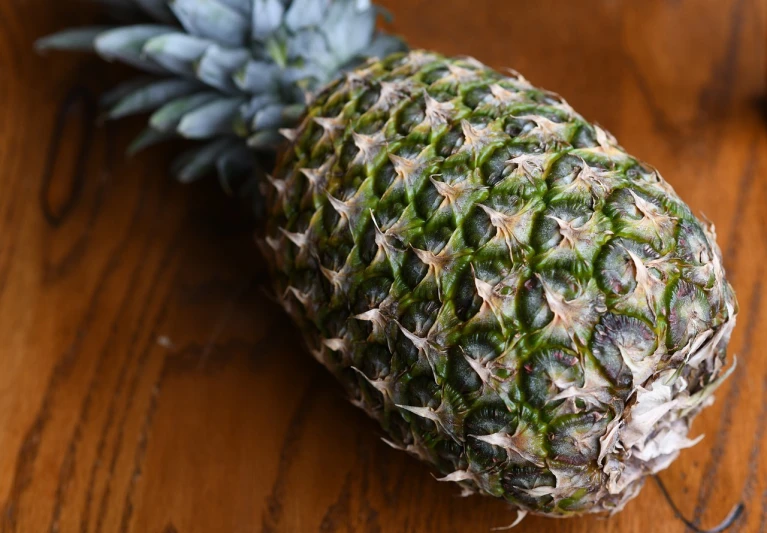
(148, 385)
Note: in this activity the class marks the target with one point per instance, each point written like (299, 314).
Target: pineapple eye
(465, 298)
(334, 323)
(371, 292)
(334, 106)
(688, 313)
(495, 165)
(424, 392)
(514, 126)
(436, 234)
(311, 138)
(460, 373)
(410, 116)
(449, 142)
(485, 420)
(367, 100)
(427, 201)
(615, 268)
(576, 437)
(348, 151)
(518, 480)
(367, 243)
(533, 309)
(435, 75)
(405, 354)
(693, 246)
(419, 317)
(475, 96)
(477, 229)
(484, 345)
(384, 178)
(371, 122)
(413, 270)
(547, 373)
(374, 360)
(621, 343)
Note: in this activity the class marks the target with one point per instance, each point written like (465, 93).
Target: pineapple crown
(232, 74)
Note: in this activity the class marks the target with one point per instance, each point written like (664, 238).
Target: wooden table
(148, 385)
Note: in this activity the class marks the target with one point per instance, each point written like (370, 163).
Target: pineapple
(518, 301)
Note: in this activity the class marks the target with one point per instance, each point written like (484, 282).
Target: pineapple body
(517, 300)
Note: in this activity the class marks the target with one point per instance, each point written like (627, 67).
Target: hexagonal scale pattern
(516, 299)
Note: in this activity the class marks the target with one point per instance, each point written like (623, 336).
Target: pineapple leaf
(253, 106)
(199, 161)
(266, 140)
(311, 46)
(148, 137)
(213, 20)
(270, 117)
(210, 120)
(347, 30)
(176, 52)
(126, 44)
(256, 77)
(74, 39)
(120, 91)
(277, 51)
(168, 117)
(152, 96)
(383, 45)
(267, 17)
(305, 13)
(218, 65)
(243, 7)
(242, 69)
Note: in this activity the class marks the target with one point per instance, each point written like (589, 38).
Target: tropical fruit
(518, 301)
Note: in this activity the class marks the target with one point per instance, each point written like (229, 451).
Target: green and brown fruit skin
(517, 300)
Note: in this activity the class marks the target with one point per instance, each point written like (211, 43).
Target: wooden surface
(148, 385)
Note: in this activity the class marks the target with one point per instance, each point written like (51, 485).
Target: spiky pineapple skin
(518, 301)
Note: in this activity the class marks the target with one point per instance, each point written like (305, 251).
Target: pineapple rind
(517, 300)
